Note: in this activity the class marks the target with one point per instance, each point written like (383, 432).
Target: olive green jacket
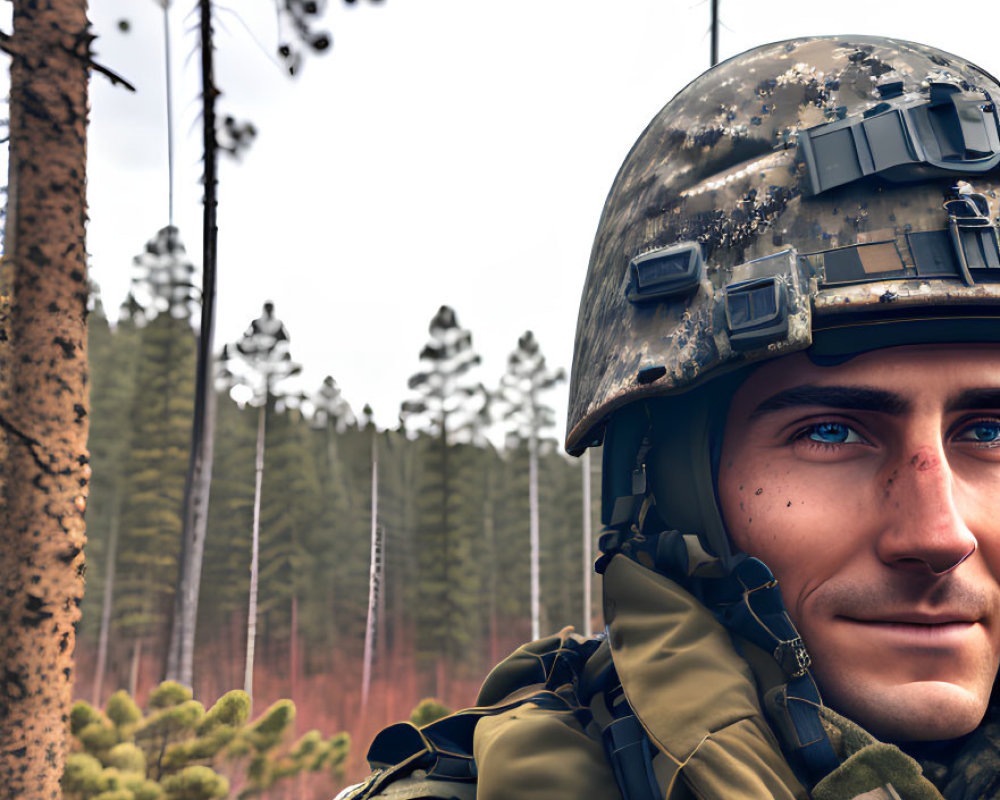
(536, 732)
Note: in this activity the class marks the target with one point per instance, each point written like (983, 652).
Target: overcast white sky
(443, 151)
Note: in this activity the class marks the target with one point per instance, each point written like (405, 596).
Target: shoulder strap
(628, 747)
(437, 761)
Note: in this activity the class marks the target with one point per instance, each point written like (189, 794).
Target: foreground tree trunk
(43, 397)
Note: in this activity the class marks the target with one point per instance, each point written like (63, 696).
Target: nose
(926, 531)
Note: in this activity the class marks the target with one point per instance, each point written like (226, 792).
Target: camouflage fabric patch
(975, 772)
(416, 786)
(886, 792)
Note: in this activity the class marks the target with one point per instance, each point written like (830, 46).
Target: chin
(920, 711)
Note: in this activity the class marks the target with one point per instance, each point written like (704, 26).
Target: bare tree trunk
(293, 666)
(490, 535)
(533, 531)
(255, 551)
(180, 655)
(381, 629)
(448, 550)
(133, 672)
(44, 471)
(588, 555)
(373, 587)
(109, 590)
(338, 478)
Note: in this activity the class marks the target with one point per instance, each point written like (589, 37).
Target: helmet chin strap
(739, 590)
(746, 600)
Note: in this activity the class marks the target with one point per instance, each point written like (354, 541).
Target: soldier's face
(872, 491)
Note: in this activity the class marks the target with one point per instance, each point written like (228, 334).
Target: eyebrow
(851, 398)
(975, 398)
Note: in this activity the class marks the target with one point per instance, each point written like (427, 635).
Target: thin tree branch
(9, 46)
(114, 77)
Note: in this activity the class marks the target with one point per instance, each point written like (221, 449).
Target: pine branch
(8, 44)
(114, 77)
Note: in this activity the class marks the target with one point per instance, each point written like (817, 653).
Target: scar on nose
(924, 460)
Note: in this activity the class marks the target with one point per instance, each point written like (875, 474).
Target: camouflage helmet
(835, 194)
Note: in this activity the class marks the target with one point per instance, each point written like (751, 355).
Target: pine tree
(290, 503)
(179, 751)
(526, 378)
(488, 553)
(513, 599)
(153, 488)
(350, 541)
(113, 353)
(444, 555)
(474, 501)
(321, 617)
(398, 497)
(261, 359)
(158, 309)
(232, 137)
(560, 553)
(225, 580)
(162, 281)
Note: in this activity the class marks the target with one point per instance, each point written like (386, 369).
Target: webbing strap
(627, 746)
(759, 615)
(970, 253)
(630, 754)
(803, 703)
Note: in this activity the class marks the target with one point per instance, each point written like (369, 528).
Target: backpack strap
(628, 747)
(437, 761)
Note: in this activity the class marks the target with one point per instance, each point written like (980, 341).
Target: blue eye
(985, 432)
(833, 433)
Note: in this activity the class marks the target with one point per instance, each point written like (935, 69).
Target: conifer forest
(219, 582)
(394, 565)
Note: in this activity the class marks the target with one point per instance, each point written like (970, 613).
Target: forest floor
(328, 700)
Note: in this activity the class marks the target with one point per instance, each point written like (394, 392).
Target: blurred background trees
(453, 517)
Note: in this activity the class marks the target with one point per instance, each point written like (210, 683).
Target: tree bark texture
(44, 467)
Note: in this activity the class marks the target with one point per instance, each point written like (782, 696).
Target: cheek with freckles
(803, 538)
(758, 508)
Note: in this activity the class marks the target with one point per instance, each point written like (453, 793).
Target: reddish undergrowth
(326, 693)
